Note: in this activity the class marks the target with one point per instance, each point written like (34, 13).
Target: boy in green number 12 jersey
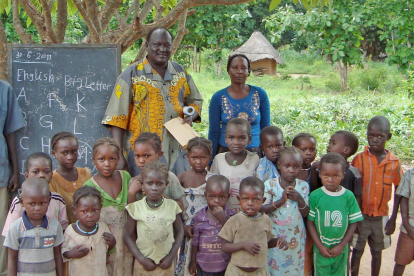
(332, 219)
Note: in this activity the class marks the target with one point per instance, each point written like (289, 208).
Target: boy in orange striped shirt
(380, 169)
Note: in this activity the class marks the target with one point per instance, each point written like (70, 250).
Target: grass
(310, 105)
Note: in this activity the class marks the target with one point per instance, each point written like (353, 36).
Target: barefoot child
(248, 234)
(287, 198)
(147, 148)
(38, 165)
(332, 219)
(306, 143)
(404, 254)
(34, 240)
(380, 169)
(67, 178)
(238, 163)
(87, 241)
(154, 228)
(271, 142)
(207, 258)
(112, 184)
(199, 152)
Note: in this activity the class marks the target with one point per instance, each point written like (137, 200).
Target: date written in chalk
(86, 83)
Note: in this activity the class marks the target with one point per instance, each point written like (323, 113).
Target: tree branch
(181, 31)
(134, 7)
(48, 22)
(108, 11)
(3, 52)
(17, 24)
(92, 9)
(141, 52)
(62, 19)
(37, 19)
(93, 33)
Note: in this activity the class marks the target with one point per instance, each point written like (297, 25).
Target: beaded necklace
(253, 217)
(156, 204)
(85, 232)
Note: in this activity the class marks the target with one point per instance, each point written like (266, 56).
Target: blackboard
(62, 88)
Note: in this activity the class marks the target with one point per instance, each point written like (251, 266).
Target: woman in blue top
(238, 100)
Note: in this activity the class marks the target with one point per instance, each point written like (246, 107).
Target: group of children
(284, 214)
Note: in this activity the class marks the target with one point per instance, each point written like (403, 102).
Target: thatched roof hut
(261, 53)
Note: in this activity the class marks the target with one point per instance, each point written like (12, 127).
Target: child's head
(238, 135)
(217, 191)
(65, 149)
(105, 155)
(378, 133)
(332, 170)
(87, 204)
(251, 194)
(39, 165)
(147, 148)
(271, 142)
(306, 142)
(199, 152)
(289, 163)
(154, 176)
(35, 197)
(344, 143)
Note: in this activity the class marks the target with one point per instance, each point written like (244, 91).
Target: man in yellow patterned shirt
(147, 95)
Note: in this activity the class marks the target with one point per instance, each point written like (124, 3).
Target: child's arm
(337, 249)
(314, 183)
(134, 187)
(302, 206)
(193, 262)
(390, 226)
(109, 239)
(167, 261)
(58, 260)
(130, 228)
(218, 212)
(404, 215)
(250, 246)
(274, 205)
(314, 234)
(278, 242)
(12, 261)
(77, 252)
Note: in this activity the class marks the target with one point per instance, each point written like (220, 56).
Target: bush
(333, 82)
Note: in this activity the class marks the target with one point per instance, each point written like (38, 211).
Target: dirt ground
(387, 265)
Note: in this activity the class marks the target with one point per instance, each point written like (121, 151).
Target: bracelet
(303, 207)
(273, 203)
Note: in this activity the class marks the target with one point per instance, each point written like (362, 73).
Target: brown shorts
(233, 270)
(404, 254)
(373, 230)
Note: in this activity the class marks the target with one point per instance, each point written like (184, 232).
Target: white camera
(189, 110)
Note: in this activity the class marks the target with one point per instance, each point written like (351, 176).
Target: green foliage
(305, 62)
(408, 85)
(321, 112)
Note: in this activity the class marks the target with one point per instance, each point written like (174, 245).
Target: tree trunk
(181, 31)
(142, 51)
(195, 58)
(343, 71)
(199, 62)
(214, 59)
(3, 52)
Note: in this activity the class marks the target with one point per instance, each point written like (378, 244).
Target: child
(207, 258)
(34, 240)
(404, 254)
(332, 218)
(112, 185)
(157, 224)
(199, 152)
(238, 163)
(38, 165)
(305, 142)
(379, 168)
(67, 178)
(287, 199)
(147, 148)
(346, 144)
(248, 234)
(271, 142)
(87, 241)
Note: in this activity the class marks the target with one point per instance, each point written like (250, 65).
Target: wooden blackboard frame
(85, 145)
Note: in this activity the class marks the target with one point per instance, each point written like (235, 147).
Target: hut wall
(268, 64)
